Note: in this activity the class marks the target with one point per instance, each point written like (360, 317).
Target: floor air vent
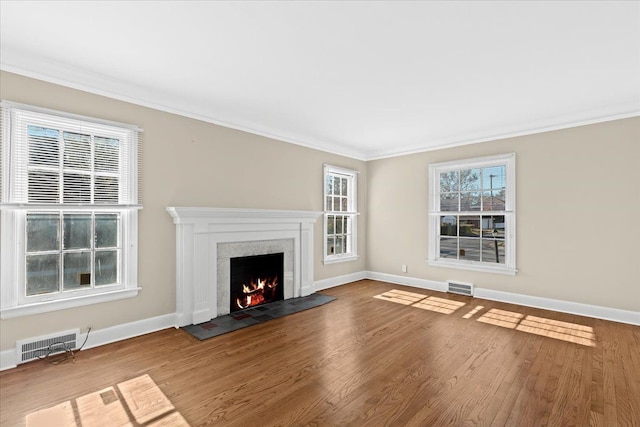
(460, 288)
(34, 348)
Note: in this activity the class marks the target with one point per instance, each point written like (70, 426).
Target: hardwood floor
(361, 360)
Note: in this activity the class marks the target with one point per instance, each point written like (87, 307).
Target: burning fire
(257, 292)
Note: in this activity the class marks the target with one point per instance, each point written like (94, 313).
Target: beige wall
(578, 200)
(578, 222)
(186, 163)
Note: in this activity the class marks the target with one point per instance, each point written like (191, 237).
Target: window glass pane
(329, 179)
(493, 226)
(448, 225)
(43, 274)
(106, 189)
(106, 230)
(106, 267)
(493, 251)
(347, 225)
(449, 181)
(107, 152)
(77, 188)
(345, 185)
(469, 201)
(330, 245)
(494, 178)
(345, 204)
(43, 232)
(43, 146)
(330, 224)
(329, 201)
(336, 204)
(77, 231)
(339, 225)
(469, 179)
(76, 270)
(470, 249)
(77, 151)
(470, 226)
(339, 245)
(448, 247)
(44, 186)
(336, 185)
(493, 200)
(449, 202)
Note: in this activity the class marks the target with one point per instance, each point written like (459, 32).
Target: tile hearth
(253, 316)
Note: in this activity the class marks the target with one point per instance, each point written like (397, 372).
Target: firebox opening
(256, 280)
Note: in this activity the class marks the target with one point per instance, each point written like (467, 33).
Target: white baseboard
(339, 280)
(431, 285)
(598, 312)
(104, 336)
(133, 329)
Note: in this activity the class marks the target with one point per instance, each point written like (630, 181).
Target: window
(472, 214)
(69, 210)
(340, 213)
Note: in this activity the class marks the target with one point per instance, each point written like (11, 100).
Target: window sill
(474, 267)
(340, 259)
(45, 307)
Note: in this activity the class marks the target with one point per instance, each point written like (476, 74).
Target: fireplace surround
(206, 240)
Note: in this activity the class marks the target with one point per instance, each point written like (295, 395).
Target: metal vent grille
(34, 348)
(460, 288)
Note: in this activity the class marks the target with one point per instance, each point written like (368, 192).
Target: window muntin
(340, 214)
(472, 215)
(70, 200)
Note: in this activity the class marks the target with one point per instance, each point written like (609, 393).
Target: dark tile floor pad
(253, 316)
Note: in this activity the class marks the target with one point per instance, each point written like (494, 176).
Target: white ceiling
(363, 79)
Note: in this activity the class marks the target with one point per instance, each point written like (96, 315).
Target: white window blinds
(55, 158)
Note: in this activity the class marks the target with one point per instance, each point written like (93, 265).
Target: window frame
(509, 212)
(15, 207)
(351, 212)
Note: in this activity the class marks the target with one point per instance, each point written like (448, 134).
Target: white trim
(132, 329)
(63, 304)
(415, 282)
(105, 336)
(595, 311)
(508, 160)
(580, 309)
(133, 94)
(332, 282)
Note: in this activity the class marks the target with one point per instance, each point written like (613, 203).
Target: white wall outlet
(404, 268)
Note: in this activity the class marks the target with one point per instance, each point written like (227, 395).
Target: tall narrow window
(472, 214)
(69, 210)
(340, 214)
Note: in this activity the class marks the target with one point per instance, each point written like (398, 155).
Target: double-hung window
(69, 210)
(472, 218)
(340, 214)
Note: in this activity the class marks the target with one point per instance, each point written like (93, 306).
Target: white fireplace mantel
(199, 231)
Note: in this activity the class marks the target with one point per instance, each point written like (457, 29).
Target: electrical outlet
(404, 268)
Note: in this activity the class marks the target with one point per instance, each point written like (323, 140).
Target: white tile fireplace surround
(206, 240)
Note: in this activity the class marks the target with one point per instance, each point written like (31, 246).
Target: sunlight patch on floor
(425, 302)
(138, 401)
(506, 319)
(570, 332)
(565, 331)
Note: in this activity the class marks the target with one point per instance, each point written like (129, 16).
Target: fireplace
(208, 238)
(256, 280)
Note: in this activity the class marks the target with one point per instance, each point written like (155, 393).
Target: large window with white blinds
(70, 199)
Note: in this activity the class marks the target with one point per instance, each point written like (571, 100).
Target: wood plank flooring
(401, 359)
